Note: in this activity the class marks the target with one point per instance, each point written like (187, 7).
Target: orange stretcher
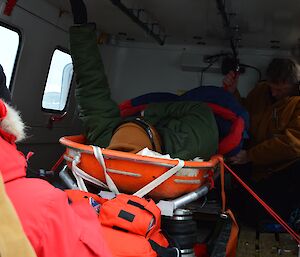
(130, 172)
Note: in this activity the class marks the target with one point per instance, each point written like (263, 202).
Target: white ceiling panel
(261, 24)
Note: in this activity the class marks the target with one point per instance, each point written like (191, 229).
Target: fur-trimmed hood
(12, 128)
(12, 162)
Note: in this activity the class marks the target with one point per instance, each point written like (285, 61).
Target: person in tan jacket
(274, 146)
(13, 241)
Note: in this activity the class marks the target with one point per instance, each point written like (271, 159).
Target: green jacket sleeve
(188, 129)
(98, 112)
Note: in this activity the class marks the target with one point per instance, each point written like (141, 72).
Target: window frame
(19, 32)
(52, 111)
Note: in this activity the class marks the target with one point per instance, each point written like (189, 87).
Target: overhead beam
(135, 17)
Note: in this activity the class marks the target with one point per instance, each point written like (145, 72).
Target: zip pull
(275, 118)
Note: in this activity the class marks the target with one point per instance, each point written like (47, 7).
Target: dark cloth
(280, 191)
(4, 91)
(79, 11)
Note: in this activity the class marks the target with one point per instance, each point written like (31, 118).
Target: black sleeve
(4, 91)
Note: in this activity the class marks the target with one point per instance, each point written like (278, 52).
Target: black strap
(218, 241)
(138, 205)
(164, 251)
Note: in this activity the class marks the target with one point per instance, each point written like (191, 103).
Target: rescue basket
(131, 172)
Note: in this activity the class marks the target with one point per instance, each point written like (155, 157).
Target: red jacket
(54, 227)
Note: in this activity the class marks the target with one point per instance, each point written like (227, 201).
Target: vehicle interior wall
(133, 68)
(144, 68)
(39, 38)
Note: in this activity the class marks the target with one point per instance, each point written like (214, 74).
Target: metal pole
(221, 8)
(136, 20)
(190, 197)
(63, 174)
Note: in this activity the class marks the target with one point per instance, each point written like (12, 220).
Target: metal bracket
(152, 28)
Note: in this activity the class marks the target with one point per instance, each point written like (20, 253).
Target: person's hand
(240, 158)
(230, 81)
(79, 11)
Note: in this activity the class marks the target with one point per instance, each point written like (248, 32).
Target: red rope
(60, 160)
(267, 207)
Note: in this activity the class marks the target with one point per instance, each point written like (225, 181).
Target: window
(9, 46)
(58, 82)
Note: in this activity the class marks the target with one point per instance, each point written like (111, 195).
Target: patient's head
(135, 135)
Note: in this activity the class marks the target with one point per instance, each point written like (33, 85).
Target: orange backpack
(131, 225)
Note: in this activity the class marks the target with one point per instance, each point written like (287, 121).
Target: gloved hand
(230, 81)
(79, 11)
(240, 158)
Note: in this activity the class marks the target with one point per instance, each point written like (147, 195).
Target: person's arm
(230, 84)
(281, 147)
(98, 112)
(284, 146)
(4, 91)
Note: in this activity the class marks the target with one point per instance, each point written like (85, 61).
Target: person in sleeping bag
(231, 117)
(184, 130)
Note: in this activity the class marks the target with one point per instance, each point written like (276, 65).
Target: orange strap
(233, 237)
(223, 195)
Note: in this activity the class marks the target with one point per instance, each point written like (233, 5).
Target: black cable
(254, 68)
(230, 34)
(206, 68)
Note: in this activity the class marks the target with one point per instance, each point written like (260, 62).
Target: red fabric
(3, 110)
(132, 245)
(201, 250)
(9, 7)
(127, 109)
(5, 135)
(53, 226)
(77, 195)
(143, 217)
(233, 139)
(227, 144)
